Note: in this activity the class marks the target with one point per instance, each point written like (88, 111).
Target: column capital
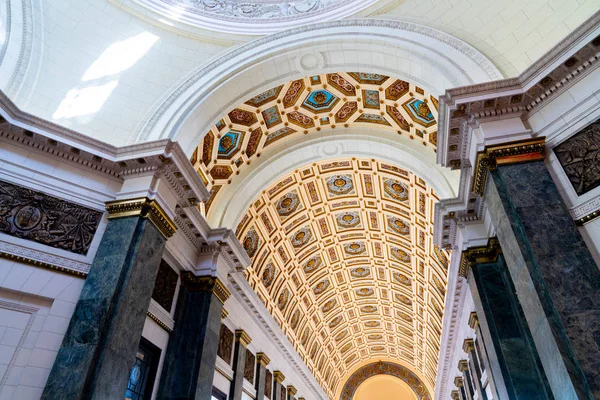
(262, 359)
(503, 154)
(242, 337)
(224, 313)
(205, 283)
(454, 395)
(473, 320)
(458, 381)
(278, 376)
(292, 390)
(468, 345)
(145, 208)
(463, 365)
(479, 255)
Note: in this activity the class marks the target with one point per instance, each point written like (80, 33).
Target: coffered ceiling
(343, 259)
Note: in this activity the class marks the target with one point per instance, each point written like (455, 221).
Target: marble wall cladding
(557, 280)
(261, 381)
(520, 366)
(268, 384)
(45, 219)
(250, 366)
(102, 338)
(239, 367)
(189, 365)
(578, 156)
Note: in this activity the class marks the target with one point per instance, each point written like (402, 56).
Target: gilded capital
(224, 313)
(505, 154)
(479, 255)
(278, 376)
(145, 208)
(458, 381)
(463, 365)
(454, 395)
(473, 320)
(262, 359)
(292, 390)
(242, 337)
(205, 283)
(468, 345)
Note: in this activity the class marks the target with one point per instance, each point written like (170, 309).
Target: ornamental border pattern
(41, 259)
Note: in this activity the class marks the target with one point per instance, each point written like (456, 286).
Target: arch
(387, 368)
(432, 59)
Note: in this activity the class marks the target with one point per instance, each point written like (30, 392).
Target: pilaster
(261, 372)
(242, 340)
(278, 379)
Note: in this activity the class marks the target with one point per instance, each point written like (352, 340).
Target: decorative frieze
(250, 366)
(165, 286)
(143, 207)
(578, 156)
(225, 346)
(45, 219)
(205, 283)
(479, 255)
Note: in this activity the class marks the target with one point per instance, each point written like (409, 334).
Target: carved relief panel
(165, 286)
(225, 344)
(249, 366)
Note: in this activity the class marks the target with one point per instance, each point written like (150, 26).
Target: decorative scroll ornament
(45, 219)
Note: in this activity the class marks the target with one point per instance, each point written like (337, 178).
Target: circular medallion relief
(254, 17)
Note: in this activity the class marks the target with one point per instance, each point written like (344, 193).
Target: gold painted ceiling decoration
(343, 259)
(303, 106)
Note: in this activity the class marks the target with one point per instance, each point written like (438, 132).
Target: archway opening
(384, 387)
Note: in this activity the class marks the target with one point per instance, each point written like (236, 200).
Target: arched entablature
(363, 373)
(428, 58)
(344, 261)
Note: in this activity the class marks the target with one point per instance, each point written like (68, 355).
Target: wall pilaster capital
(278, 376)
(478, 255)
(205, 283)
(242, 337)
(473, 320)
(468, 345)
(463, 365)
(458, 381)
(262, 359)
(292, 390)
(145, 208)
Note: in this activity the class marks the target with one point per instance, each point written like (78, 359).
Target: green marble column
(520, 366)
(100, 344)
(242, 340)
(189, 365)
(556, 278)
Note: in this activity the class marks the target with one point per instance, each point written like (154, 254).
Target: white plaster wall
(28, 347)
(160, 338)
(512, 33)
(105, 66)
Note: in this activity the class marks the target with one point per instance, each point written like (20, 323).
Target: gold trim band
(505, 154)
(224, 313)
(145, 208)
(159, 322)
(479, 255)
(587, 218)
(42, 264)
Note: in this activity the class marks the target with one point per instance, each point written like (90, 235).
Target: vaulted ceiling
(302, 107)
(343, 258)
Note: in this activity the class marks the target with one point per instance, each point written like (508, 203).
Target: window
(143, 372)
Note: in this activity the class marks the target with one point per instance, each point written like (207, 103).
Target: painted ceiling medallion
(257, 17)
(399, 226)
(359, 272)
(347, 220)
(330, 305)
(364, 292)
(312, 265)
(283, 298)
(395, 189)
(251, 242)
(401, 278)
(295, 319)
(339, 185)
(302, 237)
(336, 321)
(375, 337)
(288, 204)
(354, 248)
(372, 324)
(400, 254)
(320, 101)
(368, 309)
(268, 275)
(420, 112)
(321, 287)
(230, 144)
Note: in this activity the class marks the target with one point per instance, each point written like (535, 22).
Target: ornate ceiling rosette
(257, 17)
(267, 121)
(343, 259)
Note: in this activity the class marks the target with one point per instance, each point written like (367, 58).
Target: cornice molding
(479, 255)
(145, 208)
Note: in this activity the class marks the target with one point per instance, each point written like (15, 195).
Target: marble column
(261, 374)
(556, 278)
(242, 340)
(291, 392)
(505, 324)
(458, 382)
(100, 344)
(278, 379)
(464, 368)
(189, 364)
